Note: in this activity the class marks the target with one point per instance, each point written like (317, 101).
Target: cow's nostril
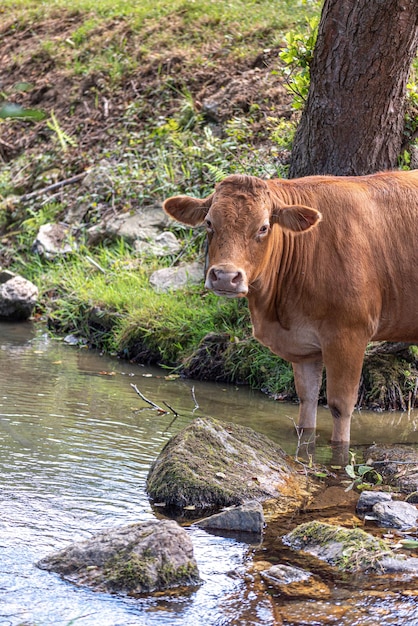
(212, 275)
(237, 278)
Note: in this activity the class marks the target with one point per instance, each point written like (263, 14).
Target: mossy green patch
(359, 550)
(129, 572)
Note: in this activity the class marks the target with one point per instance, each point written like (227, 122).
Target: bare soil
(91, 107)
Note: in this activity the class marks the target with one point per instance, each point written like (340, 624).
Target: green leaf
(15, 111)
(363, 469)
(350, 471)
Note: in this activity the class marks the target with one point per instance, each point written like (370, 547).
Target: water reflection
(77, 443)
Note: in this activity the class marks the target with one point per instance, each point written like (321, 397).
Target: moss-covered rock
(211, 464)
(348, 549)
(133, 559)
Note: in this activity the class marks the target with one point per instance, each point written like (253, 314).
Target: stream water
(76, 446)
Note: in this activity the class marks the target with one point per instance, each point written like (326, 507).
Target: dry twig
(150, 402)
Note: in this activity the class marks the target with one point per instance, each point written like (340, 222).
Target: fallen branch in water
(150, 402)
(196, 405)
(171, 408)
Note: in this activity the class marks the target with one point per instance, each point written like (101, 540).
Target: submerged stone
(348, 549)
(215, 464)
(294, 582)
(134, 559)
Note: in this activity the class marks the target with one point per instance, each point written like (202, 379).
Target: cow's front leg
(308, 378)
(343, 363)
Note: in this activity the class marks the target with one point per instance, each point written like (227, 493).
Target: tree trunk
(354, 116)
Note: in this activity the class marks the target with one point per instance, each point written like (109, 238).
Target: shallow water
(76, 446)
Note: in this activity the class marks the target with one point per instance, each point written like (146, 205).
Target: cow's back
(362, 260)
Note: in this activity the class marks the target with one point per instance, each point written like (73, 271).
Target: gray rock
(215, 464)
(18, 297)
(146, 222)
(368, 499)
(400, 564)
(396, 514)
(54, 240)
(162, 244)
(132, 559)
(175, 277)
(244, 518)
(295, 582)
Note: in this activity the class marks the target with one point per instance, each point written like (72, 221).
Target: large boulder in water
(134, 559)
(212, 464)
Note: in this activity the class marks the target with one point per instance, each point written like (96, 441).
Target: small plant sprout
(363, 476)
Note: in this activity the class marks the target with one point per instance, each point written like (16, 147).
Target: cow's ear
(297, 218)
(187, 210)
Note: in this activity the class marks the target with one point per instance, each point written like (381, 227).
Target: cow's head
(239, 217)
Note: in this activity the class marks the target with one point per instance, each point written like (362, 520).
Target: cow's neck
(280, 285)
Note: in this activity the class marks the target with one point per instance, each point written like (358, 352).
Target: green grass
(242, 15)
(199, 28)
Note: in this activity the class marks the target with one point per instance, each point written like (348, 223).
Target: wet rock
(74, 340)
(368, 499)
(18, 297)
(400, 565)
(160, 245)
(214, 464)
(54, 240)
(395, 514)
(294, 582)
(147, 222)
(132, 559)
(247, 518)
(398, 465)
(348, 549)
(175, 277)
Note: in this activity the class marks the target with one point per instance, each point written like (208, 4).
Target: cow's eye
(264, 229)
(209, 227)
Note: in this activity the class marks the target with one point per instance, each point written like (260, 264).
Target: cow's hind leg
(308, 378)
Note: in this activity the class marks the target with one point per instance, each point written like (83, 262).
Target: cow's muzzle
(227, 281)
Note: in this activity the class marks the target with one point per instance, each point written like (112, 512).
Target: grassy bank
(133, 85)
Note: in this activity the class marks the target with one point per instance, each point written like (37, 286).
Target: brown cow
(327, 264)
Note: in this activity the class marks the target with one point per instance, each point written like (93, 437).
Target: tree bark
(354, 116)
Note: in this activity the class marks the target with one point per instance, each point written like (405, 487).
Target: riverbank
(122, 106)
